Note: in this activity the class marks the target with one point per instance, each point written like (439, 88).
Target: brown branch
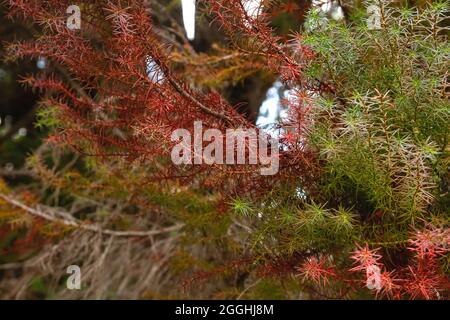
(17, 173)
(88, 227)
(200, 105)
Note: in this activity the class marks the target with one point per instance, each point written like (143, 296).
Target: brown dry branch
(89, 227)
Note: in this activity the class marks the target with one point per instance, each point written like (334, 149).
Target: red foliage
(112, 107)
(317, 271)
(422, 277)
(365, 258)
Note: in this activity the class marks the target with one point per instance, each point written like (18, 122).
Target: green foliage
(382, 136)
(47, 118)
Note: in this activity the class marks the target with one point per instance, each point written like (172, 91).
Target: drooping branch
(88, 227)
(200, 105)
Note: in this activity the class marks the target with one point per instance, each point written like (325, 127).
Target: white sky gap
(188, 7)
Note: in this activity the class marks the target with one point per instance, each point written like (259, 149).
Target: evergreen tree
(359, 207)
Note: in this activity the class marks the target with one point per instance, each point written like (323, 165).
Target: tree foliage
(364, 157)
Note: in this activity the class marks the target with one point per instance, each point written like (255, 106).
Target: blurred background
(18, 105)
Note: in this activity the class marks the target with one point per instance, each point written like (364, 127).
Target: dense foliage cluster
(364, 156)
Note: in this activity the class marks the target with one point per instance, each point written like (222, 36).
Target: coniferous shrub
(363, 181)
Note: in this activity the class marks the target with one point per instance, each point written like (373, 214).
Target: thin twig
(88, 227)
(248, 288)
(17, 173)
(200, 105)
